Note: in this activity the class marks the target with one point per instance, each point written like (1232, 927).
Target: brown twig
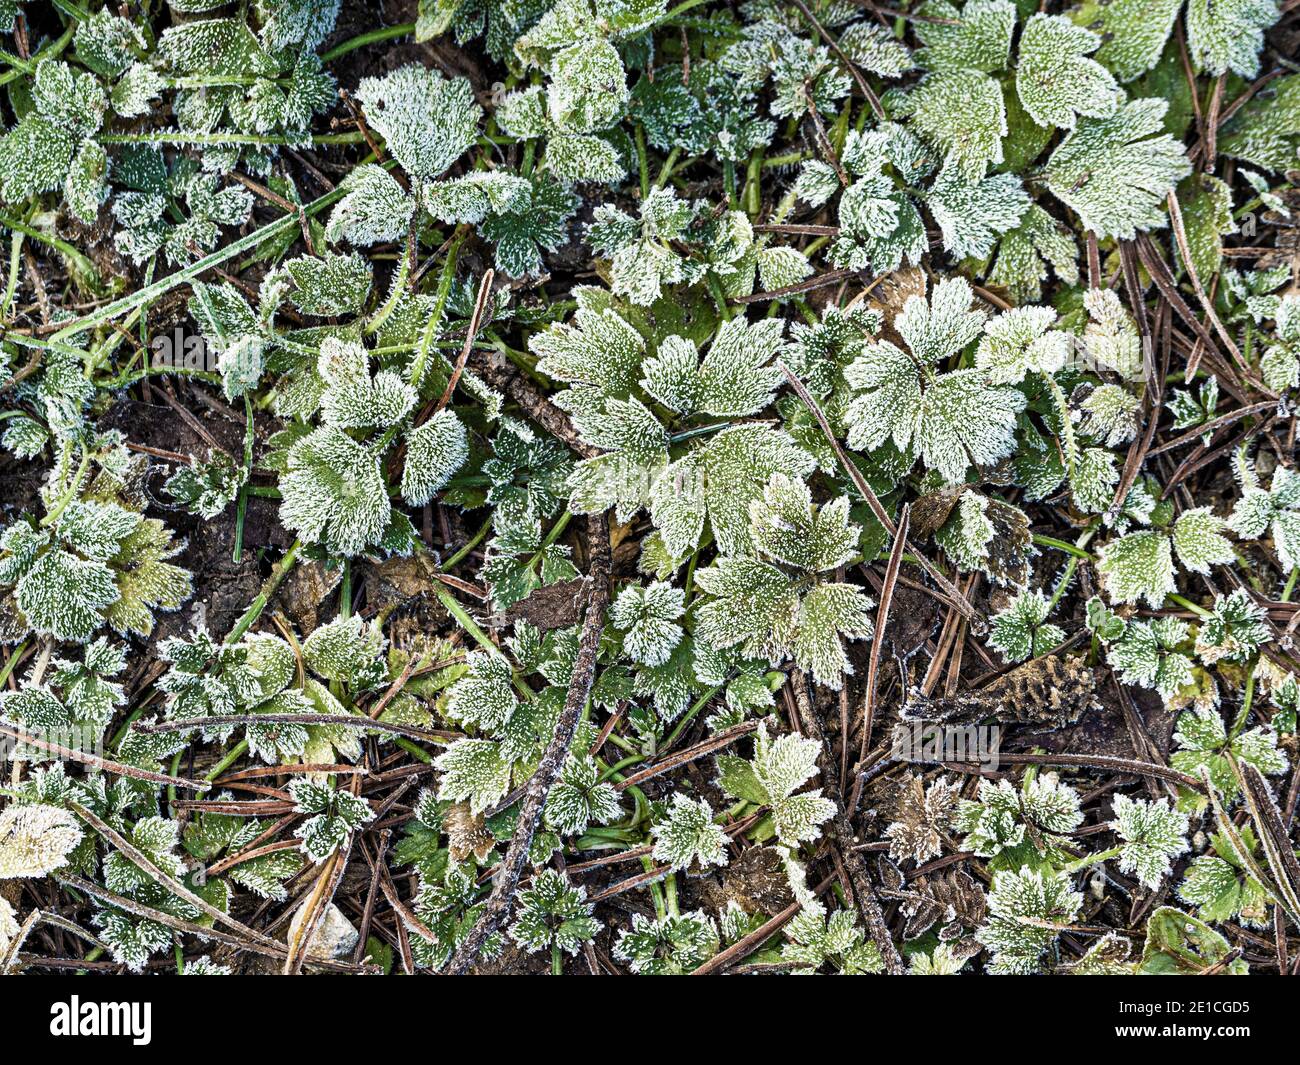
(864, 892)
(497, 907)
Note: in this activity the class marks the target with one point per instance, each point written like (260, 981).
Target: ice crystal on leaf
(1153, 835)
(617, 375)
(580, 798)
(950, 419)
(1024, 909)
(1154, 654)
(37, 154)
(667, 946)
(1055, 79)
(777, 606)
(648, 618)
(1222, 889)
(977, 36)
(35, 840)
(426, 120)
(1203, 743)
(1115, 171)
(1020, 826)
(818, 943)
(1019, 342)
(779, 767)
(333, 814)
(1141, 564)
(100, 563)
(1235, 630)
(688, 837)
(1021, 629)
(552, 914)
(1274, 511)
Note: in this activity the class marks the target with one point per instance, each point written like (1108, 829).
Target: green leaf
(426, 120)
(1114, 173)
(1055, 80)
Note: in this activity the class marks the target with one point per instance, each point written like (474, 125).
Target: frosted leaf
(334, 814)
(1149, 654)
(1139, 565)
(1222, 890)
(874, 48)
(427, 121)
(963, 113)
(222, 47)
(1134, 32)
(599, 348)
(435, 450)
(1235, 630)
(1025, 252)
(648, 618)
(719, 481)
(476, 770)
(687, 835)
(1116, 171)
(551, 914)
(977, 37)
(35, 154)
(582, 157)
(1019, 342)
(588, 89)
(1055, 80)
(758, 607)
(1198, 541)
(1265, 131)
(529, 225)
(1275, 512)
(817, 183)
(1153, 833)
(375, 208)
(305, 23)
(346, 649)
(1109, 414)
(64, 596)
(85, 187)
(1016, 945)
(476, 195)
(156, 838)
(1203, 743)
(779, 767)
(941, 327)
(788, 529)
(328, 286)
(1013, 824)
(106, 43)
(35, 840)
(484, 696)
(333, 492)
(923, 816)
(1225, 35)
(971, 213)
(734, 378)
(580, 798)
(1111, 335)
(366, 403)
(1019, 631)
(667, 946)
(818, 942)
(781, 267)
